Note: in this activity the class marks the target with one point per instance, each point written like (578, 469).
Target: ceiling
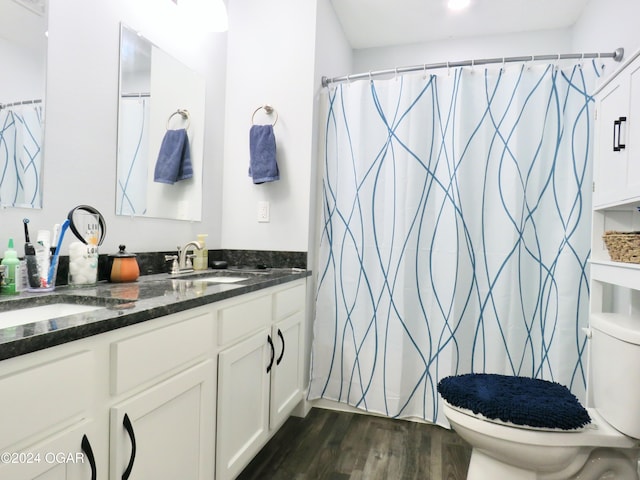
(380, 23)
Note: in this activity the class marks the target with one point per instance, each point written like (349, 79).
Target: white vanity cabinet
(63, 408)
(46, 427)
(617, 142)
(165, 430)
(259, 372)
(158, 434)
(149, 401)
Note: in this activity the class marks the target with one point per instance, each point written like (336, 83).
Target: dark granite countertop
(124, 304)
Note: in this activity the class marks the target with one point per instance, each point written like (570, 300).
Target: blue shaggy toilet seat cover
(519, 400)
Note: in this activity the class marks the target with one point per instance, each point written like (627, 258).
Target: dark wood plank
(331, 445)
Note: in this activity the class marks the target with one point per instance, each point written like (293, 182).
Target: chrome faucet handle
(174, 264)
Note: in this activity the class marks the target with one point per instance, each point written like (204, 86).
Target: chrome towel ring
(185, 116)
(268, 109)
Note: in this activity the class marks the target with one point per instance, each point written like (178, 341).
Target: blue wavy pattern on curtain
(455, 234)
(21, 135)
(131, 195)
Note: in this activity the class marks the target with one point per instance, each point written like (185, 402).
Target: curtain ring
(448, 69)
(268, 109)
(396, 75)
(370, 77)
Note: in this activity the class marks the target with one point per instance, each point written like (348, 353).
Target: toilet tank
(615, 367)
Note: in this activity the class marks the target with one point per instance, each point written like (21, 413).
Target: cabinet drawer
(240, 319)
(289, 301)
(144, 357)
(41, 397)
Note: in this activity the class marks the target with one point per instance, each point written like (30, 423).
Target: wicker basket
(623, 246)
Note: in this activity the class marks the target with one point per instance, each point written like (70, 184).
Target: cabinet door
(633, 132)
(286, 374)
(610, 172)
(68, 455)
(243, 403)
(166, 432)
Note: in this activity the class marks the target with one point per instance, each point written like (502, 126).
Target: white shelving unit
(615, 286)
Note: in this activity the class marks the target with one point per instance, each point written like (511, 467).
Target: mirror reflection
(160, 133)
(23, 50)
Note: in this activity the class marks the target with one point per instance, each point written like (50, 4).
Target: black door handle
(129, 428)
(282, 353)
(617, 146)
(273, 353)
(88, 451)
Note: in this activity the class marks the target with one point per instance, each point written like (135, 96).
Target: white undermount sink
(220, 279)
(22, 316)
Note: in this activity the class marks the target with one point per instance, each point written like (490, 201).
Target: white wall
(81, 120)
(333, 55)
(27, 71)
(270, 61)
(530, 43)
(604, 26)
(608, 24)
(275, 55)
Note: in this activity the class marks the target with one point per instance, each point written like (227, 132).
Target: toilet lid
(522, 401)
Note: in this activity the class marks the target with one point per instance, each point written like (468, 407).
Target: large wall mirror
(23, 52)
(160, 133)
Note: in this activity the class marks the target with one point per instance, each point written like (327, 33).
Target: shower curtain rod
(136, 95)
(22, 102)
(616, 55)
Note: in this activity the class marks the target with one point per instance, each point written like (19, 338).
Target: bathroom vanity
(164, 378)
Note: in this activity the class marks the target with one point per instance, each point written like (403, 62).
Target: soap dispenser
(201, 260)
(12, 270)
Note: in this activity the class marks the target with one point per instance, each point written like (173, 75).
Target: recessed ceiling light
(458, 4)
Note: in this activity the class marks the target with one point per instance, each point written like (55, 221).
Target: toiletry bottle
(201, 260)
(11, 262)
(31, 265)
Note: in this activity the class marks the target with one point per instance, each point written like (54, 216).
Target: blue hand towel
(262, 148)
(174, 159)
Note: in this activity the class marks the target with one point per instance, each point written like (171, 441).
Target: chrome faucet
(182, 261)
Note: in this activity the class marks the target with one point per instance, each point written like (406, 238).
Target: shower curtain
(133, 156)
(21, 136)
(455, 233)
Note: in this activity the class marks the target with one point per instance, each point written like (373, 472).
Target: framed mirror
(160, 133)
(23, 53)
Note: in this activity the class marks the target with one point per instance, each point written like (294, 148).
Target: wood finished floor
(339, 446)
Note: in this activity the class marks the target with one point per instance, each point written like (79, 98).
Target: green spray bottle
(12, 264)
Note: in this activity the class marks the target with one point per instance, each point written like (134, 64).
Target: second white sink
(22, 316)
(220, 279)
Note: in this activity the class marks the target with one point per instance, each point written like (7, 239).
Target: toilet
(485, 412)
